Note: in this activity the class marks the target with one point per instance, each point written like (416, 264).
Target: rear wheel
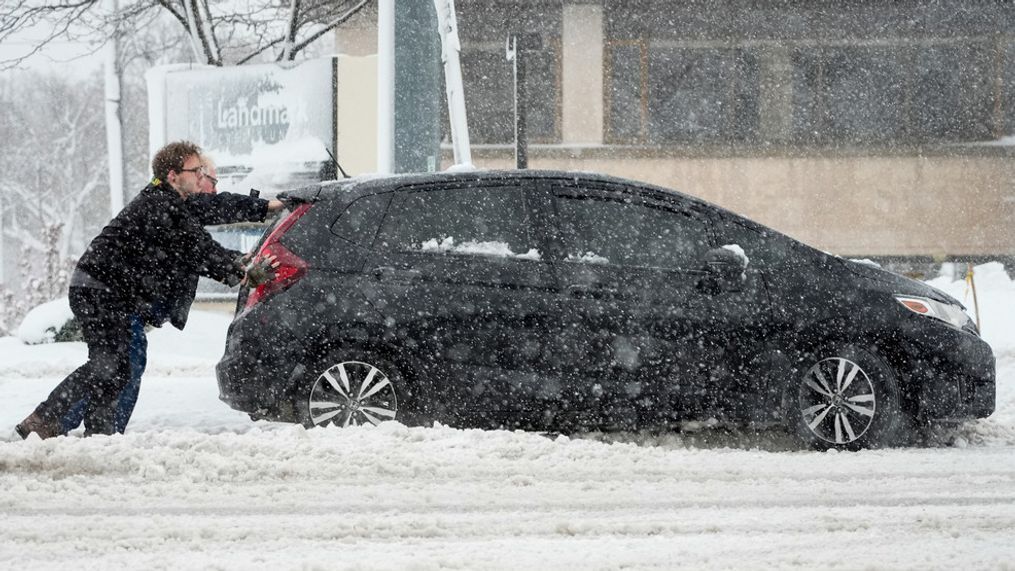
(847, 397)
(351, 392)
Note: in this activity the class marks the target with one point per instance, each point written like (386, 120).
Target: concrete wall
(857, 206)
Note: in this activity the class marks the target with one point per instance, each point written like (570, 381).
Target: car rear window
(358, 223)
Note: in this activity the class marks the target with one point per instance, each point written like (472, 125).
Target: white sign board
(267, 126)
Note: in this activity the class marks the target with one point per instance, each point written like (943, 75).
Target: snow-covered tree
(217, 33)
(54, 184)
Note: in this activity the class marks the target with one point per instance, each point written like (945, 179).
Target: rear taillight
(290, 266)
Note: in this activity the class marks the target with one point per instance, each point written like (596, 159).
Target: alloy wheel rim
(352, 393)
(837, 400)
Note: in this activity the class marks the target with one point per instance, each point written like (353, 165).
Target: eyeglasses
(199, 171)
(214, 181)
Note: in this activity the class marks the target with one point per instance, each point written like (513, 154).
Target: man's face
(209, 183)
(187, 181)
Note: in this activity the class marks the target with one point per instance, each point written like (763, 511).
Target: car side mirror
(725, 270)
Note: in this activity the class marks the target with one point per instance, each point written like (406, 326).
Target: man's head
(209, 184)
(179, 165)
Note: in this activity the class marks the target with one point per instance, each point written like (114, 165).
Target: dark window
(702, 95)
(849, 94)
(358, 224)
(952, 99)
(667, 95)
(762, 246)
(627, 107)
(1008, 88)
(622, 231)
(489, 94)
(487, 75)
(488, 221)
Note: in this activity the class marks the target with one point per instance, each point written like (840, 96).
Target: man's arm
(230, 208)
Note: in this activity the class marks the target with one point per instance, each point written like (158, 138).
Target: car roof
(367, 184)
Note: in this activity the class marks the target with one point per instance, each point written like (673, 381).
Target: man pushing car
(153, 250)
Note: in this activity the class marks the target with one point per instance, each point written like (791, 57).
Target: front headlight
(951, 314)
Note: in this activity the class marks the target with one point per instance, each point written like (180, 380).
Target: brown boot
(39, 425)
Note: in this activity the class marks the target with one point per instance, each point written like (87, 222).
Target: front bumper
(951, 374)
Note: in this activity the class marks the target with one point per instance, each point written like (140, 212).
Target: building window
(952, 98)
(489, 94)
(661, 94)
(488, 77)
(848, 94)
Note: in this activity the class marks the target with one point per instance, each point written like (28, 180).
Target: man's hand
(275, 205)
(260, 271)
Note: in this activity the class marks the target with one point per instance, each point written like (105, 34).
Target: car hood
(898, 284)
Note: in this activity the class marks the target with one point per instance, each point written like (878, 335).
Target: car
(571, 301)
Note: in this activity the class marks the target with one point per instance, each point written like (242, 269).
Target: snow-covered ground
(194, 484)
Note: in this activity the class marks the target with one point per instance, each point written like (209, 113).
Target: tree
(52, 194)
(218, 33)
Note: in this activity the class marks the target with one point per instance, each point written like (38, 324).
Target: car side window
(617, 230)
(358, 223)
(462, 221)
(763, 247)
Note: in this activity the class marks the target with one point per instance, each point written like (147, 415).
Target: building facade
(875, 129)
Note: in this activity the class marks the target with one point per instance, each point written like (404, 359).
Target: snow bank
(44, 321)
(995, 294)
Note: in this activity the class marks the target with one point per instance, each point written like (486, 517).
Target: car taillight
(290, 266)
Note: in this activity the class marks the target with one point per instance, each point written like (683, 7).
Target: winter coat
(210, 210)
(152, 247)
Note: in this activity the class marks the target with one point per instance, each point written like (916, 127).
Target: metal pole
(114, 129)
(521, 110)
(385, 86)
(447, 24)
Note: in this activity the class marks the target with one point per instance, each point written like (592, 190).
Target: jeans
(128, 396)
(105, 320)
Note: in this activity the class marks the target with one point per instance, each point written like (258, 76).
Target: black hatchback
(566, 301)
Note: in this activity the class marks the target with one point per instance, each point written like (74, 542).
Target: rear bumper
(254, 374)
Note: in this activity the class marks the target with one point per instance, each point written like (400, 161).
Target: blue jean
(128, 396)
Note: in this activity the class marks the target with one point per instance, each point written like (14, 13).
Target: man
(209, 208)
(144, 256)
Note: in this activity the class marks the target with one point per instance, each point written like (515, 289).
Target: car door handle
(381, 272)
(592, 291)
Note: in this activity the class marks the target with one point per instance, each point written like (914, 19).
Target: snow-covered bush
(49, 322)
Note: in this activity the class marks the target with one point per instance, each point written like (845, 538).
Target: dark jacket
(147, 252)
(210, 210)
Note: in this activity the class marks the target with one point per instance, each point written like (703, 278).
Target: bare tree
(55, 174)
(219, 33)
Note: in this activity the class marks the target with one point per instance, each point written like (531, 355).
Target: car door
(650, 340)
(460, 277)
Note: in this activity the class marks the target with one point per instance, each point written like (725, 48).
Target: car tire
(844, 397)
(349, 388)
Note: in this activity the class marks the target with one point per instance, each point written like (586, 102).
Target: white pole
(114, 134)
(385, 86)
(447, 23)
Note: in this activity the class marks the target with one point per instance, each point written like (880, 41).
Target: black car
(567, 301)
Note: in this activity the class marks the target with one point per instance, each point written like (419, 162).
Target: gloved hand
(288, 202)
(260, 271)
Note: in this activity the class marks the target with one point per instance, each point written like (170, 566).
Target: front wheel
(846, 398)
(351, 393)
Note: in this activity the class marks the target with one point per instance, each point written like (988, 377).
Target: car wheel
(846, 398)
(351, 392)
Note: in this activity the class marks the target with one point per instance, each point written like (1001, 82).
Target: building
(870, 129)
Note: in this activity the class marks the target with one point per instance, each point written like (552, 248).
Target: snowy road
(279, 497)
(195, 485)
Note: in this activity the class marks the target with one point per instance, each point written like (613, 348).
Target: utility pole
(385, 86)
(517, 50)
(114, 127)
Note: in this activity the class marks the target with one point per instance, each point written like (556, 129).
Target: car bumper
(952, 375)
(254, 371)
